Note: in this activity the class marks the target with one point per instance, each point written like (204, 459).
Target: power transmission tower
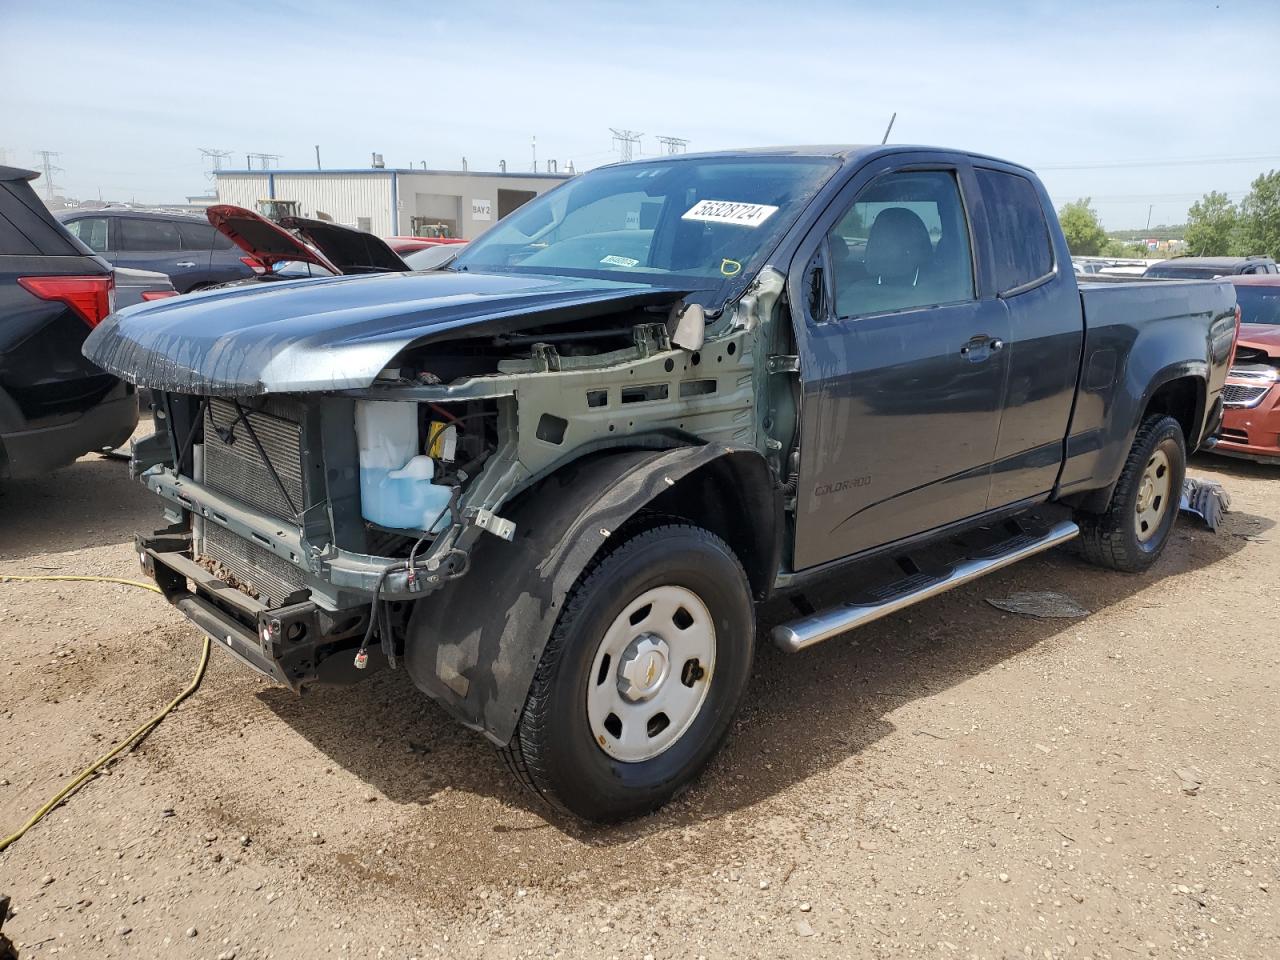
(264, 159)
(626, 141)
(215, 158)
(673, 144)
(47, 165)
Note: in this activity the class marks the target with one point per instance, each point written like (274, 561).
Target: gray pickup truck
(552, 479)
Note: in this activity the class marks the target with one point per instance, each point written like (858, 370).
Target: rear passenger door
(197, 246)
(1037, 288)
(148, 243)
(902, 364)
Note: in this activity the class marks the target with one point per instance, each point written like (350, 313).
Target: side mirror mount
(688, 325)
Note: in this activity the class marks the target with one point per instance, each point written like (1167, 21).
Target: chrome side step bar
(826, 624)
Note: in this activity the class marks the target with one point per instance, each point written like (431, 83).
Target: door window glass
(1020, 242)
(91, 231)
(902, 245)
(199, 237)
(136, 234)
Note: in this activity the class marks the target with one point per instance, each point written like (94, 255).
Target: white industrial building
(392, 202)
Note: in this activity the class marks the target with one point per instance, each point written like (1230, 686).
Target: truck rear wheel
(641, 678)
(1133, 531)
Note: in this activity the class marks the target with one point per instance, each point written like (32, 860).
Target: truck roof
(846, 153)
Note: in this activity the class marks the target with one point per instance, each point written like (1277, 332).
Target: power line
(673, 144)
(626, 141)
(1159, 162)
(47, 164)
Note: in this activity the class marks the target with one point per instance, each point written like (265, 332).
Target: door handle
(185, 263)
(980, 347)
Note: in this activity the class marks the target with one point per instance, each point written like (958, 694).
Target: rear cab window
(1021, 245)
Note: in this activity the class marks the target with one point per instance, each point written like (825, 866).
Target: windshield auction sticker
(726, 211)
(616, 261)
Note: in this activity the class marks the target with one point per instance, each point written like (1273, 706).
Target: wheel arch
(1179, 390)
(474, 645)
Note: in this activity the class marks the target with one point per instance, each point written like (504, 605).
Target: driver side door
(902, 364)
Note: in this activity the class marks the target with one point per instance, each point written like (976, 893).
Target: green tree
(1123, 249)
(1085, 236)
(1211, 226)
(1258, 231)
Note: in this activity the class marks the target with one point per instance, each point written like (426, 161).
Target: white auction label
(728, 211)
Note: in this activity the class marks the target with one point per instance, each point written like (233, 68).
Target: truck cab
(552, 480)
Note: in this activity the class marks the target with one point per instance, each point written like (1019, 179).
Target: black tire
(554, 752)
(1112, 538)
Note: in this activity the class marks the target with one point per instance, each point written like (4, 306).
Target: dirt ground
(952, 781)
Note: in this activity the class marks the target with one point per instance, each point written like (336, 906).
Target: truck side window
(902, 245)
(1021, 248)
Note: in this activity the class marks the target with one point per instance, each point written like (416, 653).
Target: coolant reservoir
(396, 488)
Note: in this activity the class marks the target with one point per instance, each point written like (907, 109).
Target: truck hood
(1261, 336)
(334, 333)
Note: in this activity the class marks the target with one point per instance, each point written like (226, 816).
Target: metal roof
(301, 172)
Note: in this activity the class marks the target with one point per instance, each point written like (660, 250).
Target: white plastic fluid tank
(396, 488)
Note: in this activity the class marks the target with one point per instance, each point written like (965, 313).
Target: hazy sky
(1129, 102)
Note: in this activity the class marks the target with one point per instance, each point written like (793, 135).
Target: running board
(826, 624)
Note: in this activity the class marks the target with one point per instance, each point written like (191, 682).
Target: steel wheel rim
(651, 673)
(1154, 491)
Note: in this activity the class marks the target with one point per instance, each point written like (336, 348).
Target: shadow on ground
(90, 503)
(803, 713)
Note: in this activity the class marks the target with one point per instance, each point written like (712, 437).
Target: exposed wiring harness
(129, 742)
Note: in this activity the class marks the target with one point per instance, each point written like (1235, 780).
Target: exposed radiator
(234, 466)
(272, 579)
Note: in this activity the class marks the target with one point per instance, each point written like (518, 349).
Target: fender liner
(474, 645)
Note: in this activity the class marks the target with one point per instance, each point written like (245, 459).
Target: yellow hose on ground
(129, 742)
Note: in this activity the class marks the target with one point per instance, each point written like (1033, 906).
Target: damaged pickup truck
(552, 480)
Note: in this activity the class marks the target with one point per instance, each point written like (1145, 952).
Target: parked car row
(55, 405)
(188, 250)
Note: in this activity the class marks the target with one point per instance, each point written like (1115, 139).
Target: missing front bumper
(296, 645)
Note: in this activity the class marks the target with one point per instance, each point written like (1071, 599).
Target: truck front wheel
(1138, 522)
(641, 678)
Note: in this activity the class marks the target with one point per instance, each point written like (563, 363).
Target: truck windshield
(1258, 304)
(690, 223)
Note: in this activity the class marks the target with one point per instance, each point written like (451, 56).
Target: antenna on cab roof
(885, 138)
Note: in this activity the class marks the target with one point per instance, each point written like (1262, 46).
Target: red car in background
(1251, 397)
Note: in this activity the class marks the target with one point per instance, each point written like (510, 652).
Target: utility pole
(885, 138)
(318, 167)
(1150, 207)
(49, 168)
(673, 144)
(535, 154)
(626, 140)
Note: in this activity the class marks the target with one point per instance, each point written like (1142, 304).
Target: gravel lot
(952, 781)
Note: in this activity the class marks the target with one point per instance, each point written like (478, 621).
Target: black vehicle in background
(54, 404)
(187, 250)
(1207, 268)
